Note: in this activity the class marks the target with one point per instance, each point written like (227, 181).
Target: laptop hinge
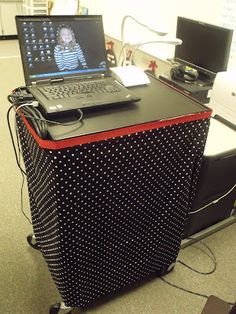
(84, 77)
(55, 80)
(62, 79)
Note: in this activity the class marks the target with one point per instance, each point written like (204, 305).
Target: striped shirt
(69, 59)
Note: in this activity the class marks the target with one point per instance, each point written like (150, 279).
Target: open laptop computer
(65, 64)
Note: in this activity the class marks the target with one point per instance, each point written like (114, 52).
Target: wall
(162, 14)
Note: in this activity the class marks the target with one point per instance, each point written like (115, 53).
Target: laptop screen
(61, 46)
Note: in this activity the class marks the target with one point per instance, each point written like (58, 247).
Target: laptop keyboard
(74, 89)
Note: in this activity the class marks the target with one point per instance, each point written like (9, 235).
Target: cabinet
(8, 11)
(109, 199)
(35, 7)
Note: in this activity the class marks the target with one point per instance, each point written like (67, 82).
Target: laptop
(65, 63)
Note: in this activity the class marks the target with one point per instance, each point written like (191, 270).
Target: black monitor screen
(205, 47)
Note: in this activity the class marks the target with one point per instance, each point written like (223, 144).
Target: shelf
(35, 7)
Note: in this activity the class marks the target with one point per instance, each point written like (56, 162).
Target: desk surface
(158, 102)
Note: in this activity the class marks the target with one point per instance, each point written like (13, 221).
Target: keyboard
(73, 89)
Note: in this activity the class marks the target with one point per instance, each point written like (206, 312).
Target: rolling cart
(109, 200)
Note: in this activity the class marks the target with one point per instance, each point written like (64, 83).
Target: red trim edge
(85, 139)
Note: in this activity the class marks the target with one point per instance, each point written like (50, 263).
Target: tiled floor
(9, 48)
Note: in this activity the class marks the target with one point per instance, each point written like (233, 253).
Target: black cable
(197, 271)
(17, 157)
(39, 123)
(21, 203)
(191, 268)
(21, 97)
(212, 257)
(37, 120)
(22, 174)
(203, 243)
(57, 122)
(17, 99)
(189, 291)
(186, 290)
(12, 139)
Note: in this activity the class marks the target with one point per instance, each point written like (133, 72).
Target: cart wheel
(165, 271)
(32, 241)
(60, 308)
(171, 267)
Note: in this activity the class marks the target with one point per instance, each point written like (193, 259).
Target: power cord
(23, 176)
(17, 157)
(36, 120)
(214, 201)
(12, 140)
(212, 257)
(41, 118)
(21, 199)
(20, 95)
(23, 102)
(39, 123)
(184, 289)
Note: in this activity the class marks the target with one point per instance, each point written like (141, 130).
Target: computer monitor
(205, 47)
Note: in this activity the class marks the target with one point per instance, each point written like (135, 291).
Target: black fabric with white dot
(110, 213)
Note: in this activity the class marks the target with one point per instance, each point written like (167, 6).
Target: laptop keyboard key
(73, 90)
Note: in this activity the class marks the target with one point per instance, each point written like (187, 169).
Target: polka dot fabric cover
(110, 213)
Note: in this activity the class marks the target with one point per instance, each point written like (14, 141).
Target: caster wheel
(171, 267)
(60, 308)
(165, 271)
(32, 241)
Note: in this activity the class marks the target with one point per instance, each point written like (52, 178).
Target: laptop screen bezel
(62, 19)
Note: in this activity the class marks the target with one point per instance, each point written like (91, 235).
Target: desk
(109, 203)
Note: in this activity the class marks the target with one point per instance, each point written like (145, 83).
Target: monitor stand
(206, 79)
(199, 90)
